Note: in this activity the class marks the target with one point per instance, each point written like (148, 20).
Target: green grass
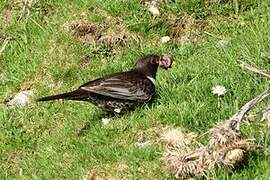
(41, 141)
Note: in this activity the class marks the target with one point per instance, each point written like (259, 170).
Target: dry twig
(266, 111)
(255, 70)
(236, 119)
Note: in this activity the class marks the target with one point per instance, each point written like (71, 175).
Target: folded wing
(128, 87)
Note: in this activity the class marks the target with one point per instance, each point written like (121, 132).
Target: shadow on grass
(97, 120)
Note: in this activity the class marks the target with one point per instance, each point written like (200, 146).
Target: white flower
(218, 90)
(154, 2)
(106, 121)
(154, 10)
(21, 99)
(117, 110)
(165, 39)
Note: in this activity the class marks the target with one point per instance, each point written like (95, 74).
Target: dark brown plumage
(121, 92)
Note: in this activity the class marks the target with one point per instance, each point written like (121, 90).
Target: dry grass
(185, 28)
(186, 158)
(118, 172)
(110, 34)
(266, 116)
(148, 136)
(6, 17)
(84, 31)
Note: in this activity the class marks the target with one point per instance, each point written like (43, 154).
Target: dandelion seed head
(154, 10)
(218, 90)
(165, 39)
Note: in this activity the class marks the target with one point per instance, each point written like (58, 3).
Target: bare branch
(255, 70)
(237, 117)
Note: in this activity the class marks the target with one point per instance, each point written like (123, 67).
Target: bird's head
(148, 65)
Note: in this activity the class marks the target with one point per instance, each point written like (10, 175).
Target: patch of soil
(109, 35)
(84, 31)
(113, 39)
(148, 136)
(116, 170)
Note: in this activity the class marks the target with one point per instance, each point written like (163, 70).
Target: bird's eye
(153, 61)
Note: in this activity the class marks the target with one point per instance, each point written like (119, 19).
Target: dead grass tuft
(112, 39)
(222, 135)
(188, 158)
(91, 175)
(147, 137)
(110, 34)
(29, 6)
(266, 116)
(185, 28)
(84, 31)
(6, 18)
(82, 28)
(85, 60)
(194, 160)
(176, 136)
(119, 171)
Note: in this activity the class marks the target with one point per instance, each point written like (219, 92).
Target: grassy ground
(66, 140)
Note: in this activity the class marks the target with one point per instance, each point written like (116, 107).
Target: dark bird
(123, 91)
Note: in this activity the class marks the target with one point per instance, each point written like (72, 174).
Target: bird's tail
(74, 95)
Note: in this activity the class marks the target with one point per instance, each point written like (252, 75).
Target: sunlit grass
(43, 140)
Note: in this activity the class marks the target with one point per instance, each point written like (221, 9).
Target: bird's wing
(121, 87)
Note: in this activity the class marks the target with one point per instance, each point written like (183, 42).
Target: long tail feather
(74, 95)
